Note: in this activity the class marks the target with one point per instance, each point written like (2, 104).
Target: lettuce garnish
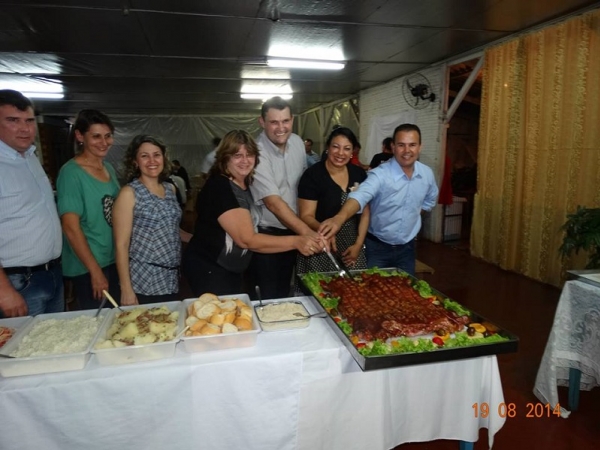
(423, 288)
(456, 307)
(345, 327)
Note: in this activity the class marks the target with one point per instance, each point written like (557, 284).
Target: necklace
(93, 166)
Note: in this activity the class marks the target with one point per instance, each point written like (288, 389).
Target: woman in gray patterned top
(146, 220)
(225, 234)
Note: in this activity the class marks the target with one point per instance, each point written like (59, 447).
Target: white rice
(58, 336)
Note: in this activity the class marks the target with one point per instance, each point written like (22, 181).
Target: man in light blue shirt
(30, 233)
(397, 192)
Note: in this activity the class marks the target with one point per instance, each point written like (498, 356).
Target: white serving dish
(137, 353)
(31, 365)
(15, 323)
(192, 344)
(283, 324)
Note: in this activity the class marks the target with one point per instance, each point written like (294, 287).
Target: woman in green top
(86, 188)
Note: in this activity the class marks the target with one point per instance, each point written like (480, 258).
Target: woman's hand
(351, 255)
(99, 283)
(128, 297)
(309, 245)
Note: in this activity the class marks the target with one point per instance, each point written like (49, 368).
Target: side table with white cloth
(572, 354)
(297, 389)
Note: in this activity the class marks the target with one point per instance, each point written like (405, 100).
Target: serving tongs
(112, 300)
(339, 265)
(102, 303)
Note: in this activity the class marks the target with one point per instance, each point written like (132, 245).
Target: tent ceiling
(192, 57)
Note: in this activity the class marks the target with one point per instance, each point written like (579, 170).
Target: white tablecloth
(293, 390)
(574, 342)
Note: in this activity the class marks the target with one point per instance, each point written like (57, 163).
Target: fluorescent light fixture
(306, 63)
(33, 87)
(30, 63)
(43, 95)
(264, 73)
(265, 96)
(265, 89)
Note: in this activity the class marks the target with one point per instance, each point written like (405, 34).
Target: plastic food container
(279, 316)
(137, 353)
(192, 344)
(31, 365)
(15, 323)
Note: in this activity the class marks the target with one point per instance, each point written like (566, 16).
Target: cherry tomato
(337, 319)
(360, 345)
(438, 341)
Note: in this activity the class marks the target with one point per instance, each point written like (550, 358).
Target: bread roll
(198, 325)
(228, 305)
(217, 319)
(243, 324)
(206, 311)
(207, 298)
(239, 303)
(191, 320)
(230, 317)
(245, 312)
(210, 329)
(229, 328)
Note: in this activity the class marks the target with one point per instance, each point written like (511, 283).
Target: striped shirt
(30, 232)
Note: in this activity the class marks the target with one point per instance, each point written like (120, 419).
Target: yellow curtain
(539, 146)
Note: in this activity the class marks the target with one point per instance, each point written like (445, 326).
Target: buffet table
(572, 354)
(297, 389)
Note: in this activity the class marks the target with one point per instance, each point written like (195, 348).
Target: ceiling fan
(416, 90)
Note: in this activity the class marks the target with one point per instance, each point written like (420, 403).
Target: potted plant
(582, 233)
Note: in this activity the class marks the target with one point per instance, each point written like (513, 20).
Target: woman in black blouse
(323, 189)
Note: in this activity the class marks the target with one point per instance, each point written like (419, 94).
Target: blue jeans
(379, 254)
(42, 290)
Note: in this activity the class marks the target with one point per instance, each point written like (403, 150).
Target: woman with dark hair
(226, 229)
(323, 189)
(146, 217)
(86, 189)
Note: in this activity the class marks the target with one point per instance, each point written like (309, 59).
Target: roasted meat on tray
(381, 307)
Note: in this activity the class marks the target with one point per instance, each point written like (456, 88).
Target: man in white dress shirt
(30, 233)
(275, 190)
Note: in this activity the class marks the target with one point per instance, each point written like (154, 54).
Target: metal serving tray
(404, 359)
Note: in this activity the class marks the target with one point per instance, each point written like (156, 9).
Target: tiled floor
(526, 308)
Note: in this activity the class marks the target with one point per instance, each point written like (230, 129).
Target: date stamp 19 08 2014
(510, 410)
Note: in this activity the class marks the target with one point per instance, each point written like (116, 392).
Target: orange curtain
(539, 146)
